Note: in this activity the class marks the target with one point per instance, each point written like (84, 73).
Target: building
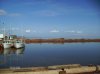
(2, 36)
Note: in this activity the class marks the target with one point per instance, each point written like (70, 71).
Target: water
(51, 54)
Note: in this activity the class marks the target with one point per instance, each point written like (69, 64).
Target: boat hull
(19, 45)
(7, 45)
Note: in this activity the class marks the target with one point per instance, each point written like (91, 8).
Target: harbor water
(47, 54)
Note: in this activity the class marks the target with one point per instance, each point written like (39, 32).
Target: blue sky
(51, 18)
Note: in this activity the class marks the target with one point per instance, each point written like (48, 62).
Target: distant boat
(19, 44)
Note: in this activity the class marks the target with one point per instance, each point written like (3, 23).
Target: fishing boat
(7, 44)
(19, 44)
(12, 41)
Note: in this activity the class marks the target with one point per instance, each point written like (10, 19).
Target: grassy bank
(60, 40)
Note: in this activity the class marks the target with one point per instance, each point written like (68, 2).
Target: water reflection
(11, 51)
(1, 50)
(8, 55)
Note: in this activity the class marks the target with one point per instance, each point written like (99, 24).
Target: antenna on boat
(10, 29)
(4, 31)
(22, 34)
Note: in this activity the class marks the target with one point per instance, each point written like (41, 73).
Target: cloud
(2, 12)
(70, 31)
(54, 31)
(14, 14)
(49, 13)
(28, 31)
(13, 28)
(36, 2)
(46, 13)
(79, 32)
(74, 32)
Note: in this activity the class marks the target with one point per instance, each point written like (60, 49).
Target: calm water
(51, 54)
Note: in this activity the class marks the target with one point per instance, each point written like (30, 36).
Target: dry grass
(42, 70)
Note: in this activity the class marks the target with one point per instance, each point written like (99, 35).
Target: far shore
(56, 40)
(59, 40)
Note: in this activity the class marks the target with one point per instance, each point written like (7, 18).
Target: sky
(51, 18)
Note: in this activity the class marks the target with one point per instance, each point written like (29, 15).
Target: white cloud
(54, 31)
(79, 32)
(46, 13)
(2, 12)
(37, 2)
(70, 31)
(13, 28)
(74, 32)
(14, 14)
(49, 13)
(28, 31)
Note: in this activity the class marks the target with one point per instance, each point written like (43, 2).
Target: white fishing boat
(19, 44)
(7, 44)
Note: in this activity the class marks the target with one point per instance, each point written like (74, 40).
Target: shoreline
(60, 40)
(56, 40)
(70, 69)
